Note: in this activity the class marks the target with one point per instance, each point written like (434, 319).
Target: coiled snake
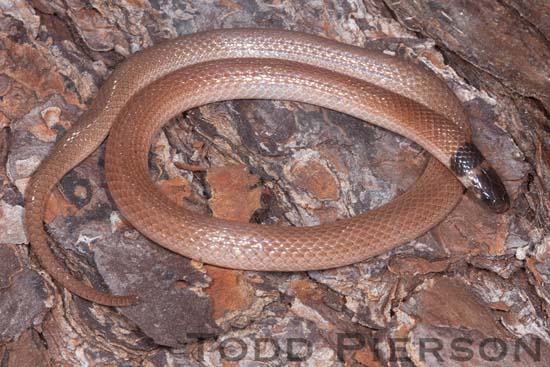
(155, 84)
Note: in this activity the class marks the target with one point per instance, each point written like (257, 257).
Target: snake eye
(487, 187)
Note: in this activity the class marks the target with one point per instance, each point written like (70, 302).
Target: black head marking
(487, 187)
(466, 158)
(481, 179)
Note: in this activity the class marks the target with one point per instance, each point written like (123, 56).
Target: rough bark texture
(477, 276)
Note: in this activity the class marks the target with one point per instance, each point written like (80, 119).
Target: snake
(155, 84)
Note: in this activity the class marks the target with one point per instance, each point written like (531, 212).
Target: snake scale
(155, 84)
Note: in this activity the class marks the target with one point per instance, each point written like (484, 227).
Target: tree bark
(478, 276)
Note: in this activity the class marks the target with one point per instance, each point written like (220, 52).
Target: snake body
(155, 84)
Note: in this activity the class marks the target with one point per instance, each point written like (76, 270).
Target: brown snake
(156, 84)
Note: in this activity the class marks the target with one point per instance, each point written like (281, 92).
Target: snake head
(487, 187)
(480, 178)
